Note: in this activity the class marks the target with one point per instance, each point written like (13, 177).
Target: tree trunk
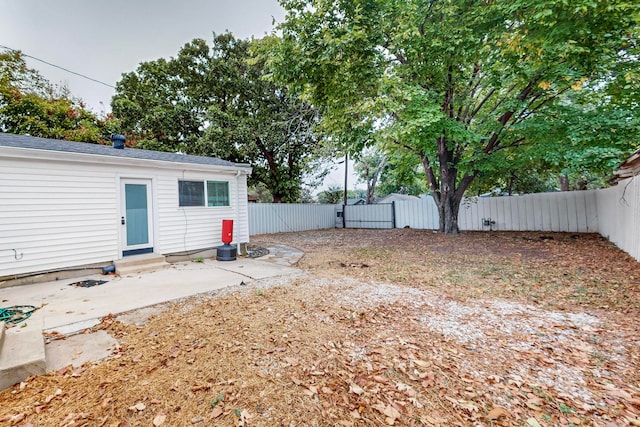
(372, 181)
(564, 182)
(451, 208)
(450, 198)
(512, 178)
(447, 192)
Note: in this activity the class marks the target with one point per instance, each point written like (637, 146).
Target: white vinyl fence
(574, 211)
(266, 218)
(613, 212)
(619, 213)
(369, 216)
(421, 214)
(568, 211)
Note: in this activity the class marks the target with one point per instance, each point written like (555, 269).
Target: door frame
(126, 250)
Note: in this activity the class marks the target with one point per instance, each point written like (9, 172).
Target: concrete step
(139, 269)
(2, 328)
(137, 264)
(139, 259)
(22, 351)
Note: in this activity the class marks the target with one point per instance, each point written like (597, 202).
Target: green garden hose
(16, 314)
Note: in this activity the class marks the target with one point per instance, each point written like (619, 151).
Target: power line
(59, 67)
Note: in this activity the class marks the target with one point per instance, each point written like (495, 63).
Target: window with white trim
(203, 193)
(217, 193)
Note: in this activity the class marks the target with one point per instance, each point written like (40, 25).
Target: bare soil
(384, 327)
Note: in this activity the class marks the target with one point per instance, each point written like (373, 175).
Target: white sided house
(67, 205)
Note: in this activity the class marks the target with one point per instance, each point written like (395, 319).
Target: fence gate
(370, 216)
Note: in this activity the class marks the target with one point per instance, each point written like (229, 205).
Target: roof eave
(72, 157)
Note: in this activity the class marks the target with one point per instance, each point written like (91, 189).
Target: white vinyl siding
(238, 195)
(64, 213)
(190, 228)
(55, 216)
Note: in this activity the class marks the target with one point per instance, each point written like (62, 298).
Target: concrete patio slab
(22, 353)
(67, 309)
(79, 349)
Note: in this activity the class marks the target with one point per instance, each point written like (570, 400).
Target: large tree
(369, 167)
(30, 104)
(453, 82)
(214, 101)
(389, 172)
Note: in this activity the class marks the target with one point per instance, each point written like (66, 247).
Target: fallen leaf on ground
(138, 407)
(497, 413)
(533, 422)
(217, 411)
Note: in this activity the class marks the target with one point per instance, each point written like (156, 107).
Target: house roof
(34, 143)
(397, 196)
(359, 201)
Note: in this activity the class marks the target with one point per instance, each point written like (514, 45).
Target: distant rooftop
(34, 143)
(397, 196)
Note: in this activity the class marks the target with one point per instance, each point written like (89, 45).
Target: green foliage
(29, 104)
(458, 84)
(369, 167)
(307, 195)
(399, 175)
(261, 192)
(216, 102)
(333, 195)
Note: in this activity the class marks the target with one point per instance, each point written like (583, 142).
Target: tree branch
(465, 182)
(504, 98)
(506, 116)
(268, 155)
(484, 100)
(434, 185)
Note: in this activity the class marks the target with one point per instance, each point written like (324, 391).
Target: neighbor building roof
(630, 167)
(397, 196)
(34, 143)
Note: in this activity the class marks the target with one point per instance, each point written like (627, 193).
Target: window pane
(217, 193)
(191, 193)
(137, 215)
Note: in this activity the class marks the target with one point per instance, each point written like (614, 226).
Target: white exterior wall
(190, 228)
(61, 210)
(241, 206)
(55, 218)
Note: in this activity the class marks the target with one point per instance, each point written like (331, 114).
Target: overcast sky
(103, 39)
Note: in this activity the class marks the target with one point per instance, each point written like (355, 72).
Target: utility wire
(57, 66)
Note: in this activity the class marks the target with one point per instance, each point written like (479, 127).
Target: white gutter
(71, 157)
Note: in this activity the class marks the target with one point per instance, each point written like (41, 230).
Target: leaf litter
(487, 329)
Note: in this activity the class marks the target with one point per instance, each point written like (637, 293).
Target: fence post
(393, 214)
(344, 216)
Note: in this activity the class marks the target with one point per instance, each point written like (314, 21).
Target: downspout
(238, 208)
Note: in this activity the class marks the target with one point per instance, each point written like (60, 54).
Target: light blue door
(137, 218)
(137, 214)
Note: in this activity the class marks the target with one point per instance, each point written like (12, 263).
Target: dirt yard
(390, 327)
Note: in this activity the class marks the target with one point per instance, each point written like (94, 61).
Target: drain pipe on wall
(238, 208)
